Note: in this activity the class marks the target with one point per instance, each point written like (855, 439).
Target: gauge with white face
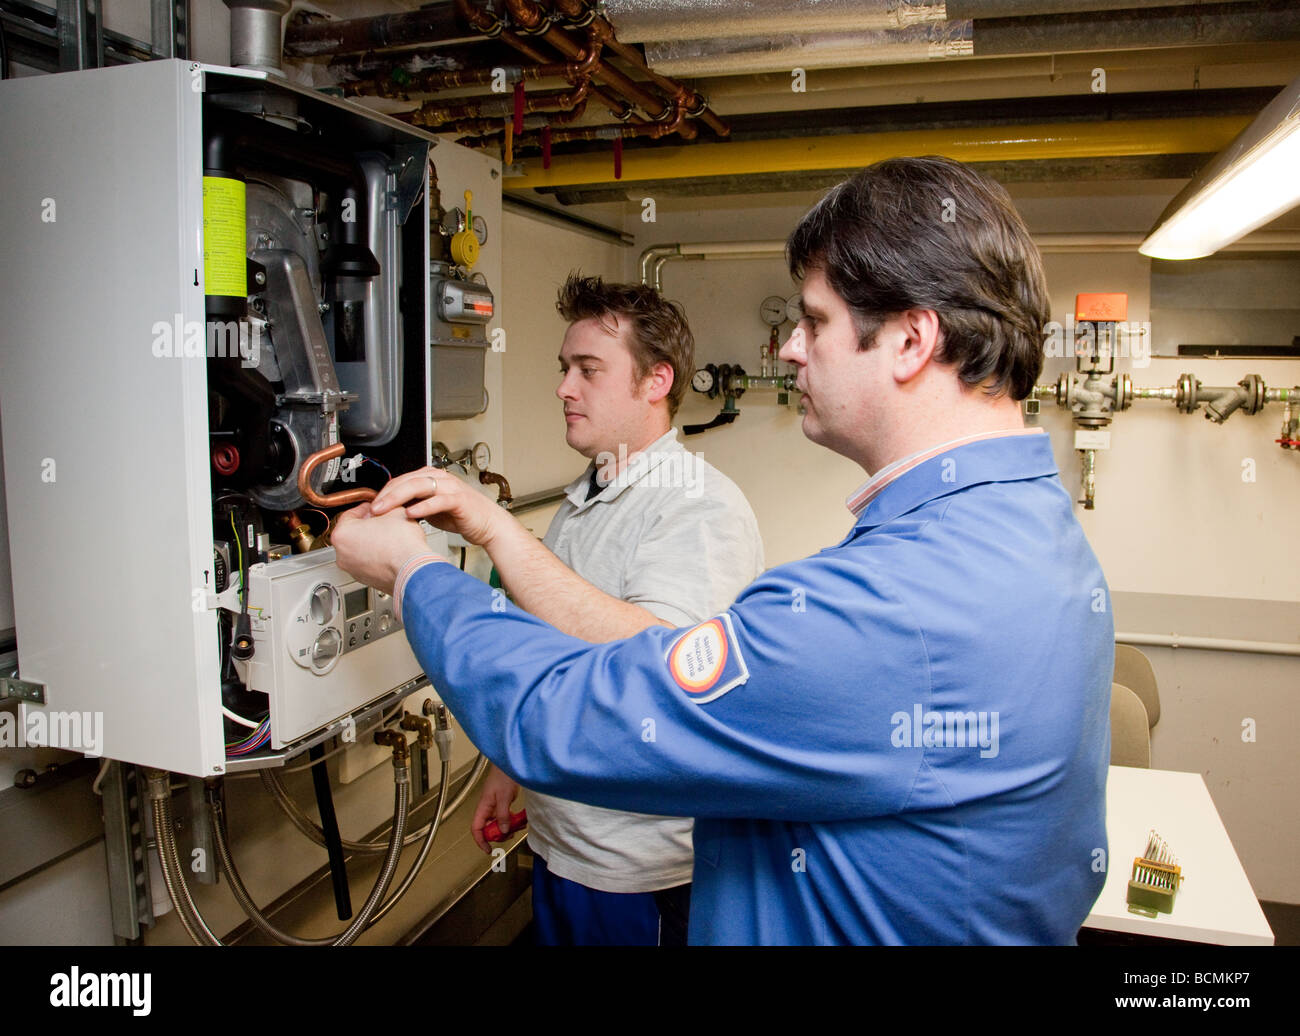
(482, 456)
(772, 311)
(703, 380)
(794, 308)
(480, 229)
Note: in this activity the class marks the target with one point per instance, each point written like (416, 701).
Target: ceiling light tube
(1251, 182)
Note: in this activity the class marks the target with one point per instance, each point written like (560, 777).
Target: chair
(1130, 731)
(1133, 670)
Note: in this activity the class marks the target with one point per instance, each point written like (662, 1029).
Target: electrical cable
(239, 719)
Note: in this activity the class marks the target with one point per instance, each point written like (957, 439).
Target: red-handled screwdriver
(492, 830)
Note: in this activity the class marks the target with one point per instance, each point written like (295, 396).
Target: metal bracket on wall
(21, 690)
(170, 28)
(127, 850)
(81, 35)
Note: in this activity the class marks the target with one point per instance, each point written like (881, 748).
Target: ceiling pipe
(499, 106)
(654, 257)
(255, 34)
(1060, 140)
(643, 21)
(396, 82)
(321, 37)
(491, 26)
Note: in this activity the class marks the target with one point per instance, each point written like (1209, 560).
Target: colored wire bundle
(259, 738)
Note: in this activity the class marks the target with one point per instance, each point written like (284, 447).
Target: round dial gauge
(772, 310)
(794, 308)
(480, 229)
(482, 456)
(703, 380)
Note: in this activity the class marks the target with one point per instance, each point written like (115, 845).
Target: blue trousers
(566, 913)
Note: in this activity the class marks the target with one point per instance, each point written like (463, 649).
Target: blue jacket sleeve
(796, 724)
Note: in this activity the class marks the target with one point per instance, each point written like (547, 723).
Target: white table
(1215, 903)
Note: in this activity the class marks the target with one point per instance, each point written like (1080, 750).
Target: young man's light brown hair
(657, 328)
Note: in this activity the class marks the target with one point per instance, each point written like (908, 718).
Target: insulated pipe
(255, 34)
(641, 21)
(435, 24)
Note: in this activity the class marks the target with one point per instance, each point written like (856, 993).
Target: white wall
(1187, 545)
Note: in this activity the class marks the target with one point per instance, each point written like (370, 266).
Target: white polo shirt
(676, 536)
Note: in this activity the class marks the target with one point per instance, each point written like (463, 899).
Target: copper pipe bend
(347, 496)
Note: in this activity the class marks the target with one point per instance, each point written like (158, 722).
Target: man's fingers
(481, 816)
(413, 486)
(362, 510)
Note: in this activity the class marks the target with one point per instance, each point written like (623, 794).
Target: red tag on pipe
(519, 106)
(618, 158)
(546, 147)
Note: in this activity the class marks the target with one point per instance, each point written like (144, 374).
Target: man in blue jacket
(902, 739)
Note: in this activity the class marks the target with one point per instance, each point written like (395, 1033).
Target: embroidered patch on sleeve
(706, 662)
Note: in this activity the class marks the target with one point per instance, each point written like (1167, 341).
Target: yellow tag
(224, 268)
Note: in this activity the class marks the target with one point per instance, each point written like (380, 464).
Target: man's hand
(442, 499)
(494, 804)
(373, 549)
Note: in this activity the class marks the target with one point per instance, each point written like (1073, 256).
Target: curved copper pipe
(491, 478)
(347, 496)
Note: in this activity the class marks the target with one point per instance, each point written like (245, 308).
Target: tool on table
(1155, 879)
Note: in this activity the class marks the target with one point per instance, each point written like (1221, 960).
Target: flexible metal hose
(173, 874)
(402, 792)
(275, 786)
(411, 875)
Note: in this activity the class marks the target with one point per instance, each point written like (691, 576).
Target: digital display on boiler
(356, 601)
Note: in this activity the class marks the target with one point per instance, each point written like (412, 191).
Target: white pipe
(1259, 647)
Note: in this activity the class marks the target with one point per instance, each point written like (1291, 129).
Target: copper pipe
(532, 15)
(573, 9)
(694, 102)
(400, 85)
(491, 478)
(527, 14)
(468, 129)
(500, 105)
(349, 496)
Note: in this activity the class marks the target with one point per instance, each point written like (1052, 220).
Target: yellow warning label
(224, 269)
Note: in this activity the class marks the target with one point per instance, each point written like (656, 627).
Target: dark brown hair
(657, 329)
(931, 233)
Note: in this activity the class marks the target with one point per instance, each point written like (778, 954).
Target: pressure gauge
(794, 308)
(703, 380)
(482, 456)
(480, 229)
(772, 311)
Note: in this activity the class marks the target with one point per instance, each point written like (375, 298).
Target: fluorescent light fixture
(1253, 180)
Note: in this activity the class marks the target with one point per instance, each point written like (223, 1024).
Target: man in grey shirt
(661, 530)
